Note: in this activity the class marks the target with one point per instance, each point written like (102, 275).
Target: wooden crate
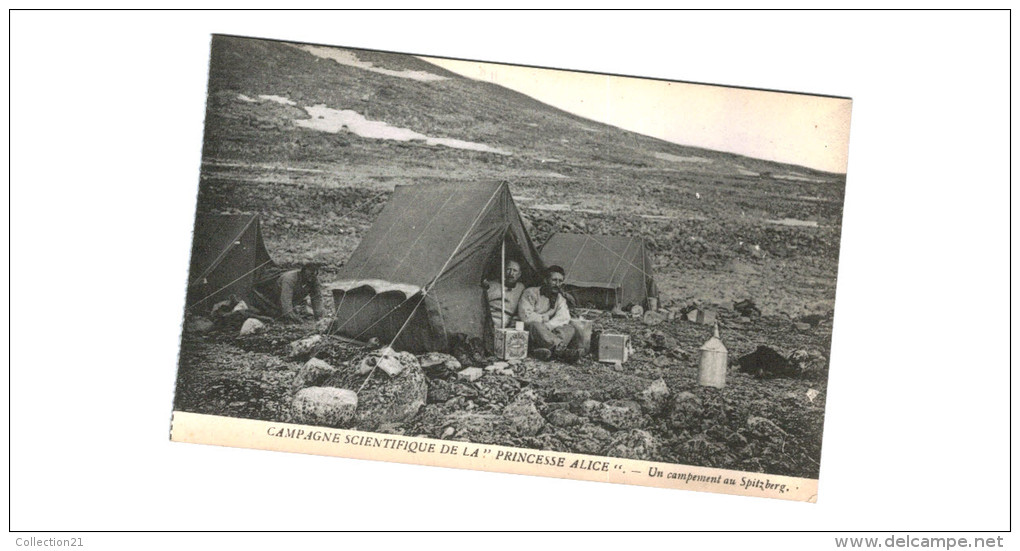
(613, 348)
(511, 344)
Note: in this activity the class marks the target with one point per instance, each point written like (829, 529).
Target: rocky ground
(650, 407)
(721, 228)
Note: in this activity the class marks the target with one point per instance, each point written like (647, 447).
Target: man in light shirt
(546, 316)
(503, 302)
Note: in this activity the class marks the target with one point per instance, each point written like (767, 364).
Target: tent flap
(438, 239)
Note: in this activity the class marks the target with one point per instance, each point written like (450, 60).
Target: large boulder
(305, 346)
(809, 362)
(661, 341)
(687, 410)
(395, 399)
(618, 416)
(198, 324)
(655, 397)
(312, 373)
(483, 428)
(634, 444)
(563, 418)
(388, 361)
(470, 374)
(522, 414)
(252, 326)
(324, 406)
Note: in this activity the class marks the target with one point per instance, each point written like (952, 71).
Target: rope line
(439, 274)
(320, 230)
(219, 258)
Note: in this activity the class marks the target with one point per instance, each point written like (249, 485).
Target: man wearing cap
(546, 316)
(278, 293)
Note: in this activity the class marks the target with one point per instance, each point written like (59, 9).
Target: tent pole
(502, 280)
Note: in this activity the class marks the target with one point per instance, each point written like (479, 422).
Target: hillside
(302, 139)
(314, 140)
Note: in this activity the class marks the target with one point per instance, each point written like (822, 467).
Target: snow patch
(679, 159)
(348, 58)
(330, 120)
(278, 99)
(245, 98)
(798, 178)
(794, 222)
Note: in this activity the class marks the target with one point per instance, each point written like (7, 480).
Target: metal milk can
(712, 366)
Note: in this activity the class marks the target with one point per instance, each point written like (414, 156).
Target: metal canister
(712, 365)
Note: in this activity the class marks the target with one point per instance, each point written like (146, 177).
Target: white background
(106, 131)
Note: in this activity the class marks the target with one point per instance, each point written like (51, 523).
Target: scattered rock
(305, 346)
(590, 438)
(634, 444)
(809, 361)
(811, 395)
(198, 324)
(619, 417)
(240, 307)
(563, 418)
(392, 399)
(322, 325)
(476, 427)
(324, 406)
(746, 308)
(802, 326)
(636, 311)
(387, 360)
(812, 319)
(440, 391)
(438, 360)
(760, 426)
(590, 408)
(662, 361)
(470, 374)
(765, 362)
(251, 326)
(655, 398)
(522, 414)
(662, 341)
(653, 318)
(687, 409)
(312, 373)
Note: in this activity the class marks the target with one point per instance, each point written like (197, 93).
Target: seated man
(278, 293)
(546, 316)
(503, 302)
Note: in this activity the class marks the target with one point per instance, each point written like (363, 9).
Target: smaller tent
(603, 271)
(228, 257)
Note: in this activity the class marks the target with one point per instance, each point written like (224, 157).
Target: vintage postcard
(513, 269)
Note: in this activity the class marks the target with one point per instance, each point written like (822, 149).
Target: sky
(810, 131)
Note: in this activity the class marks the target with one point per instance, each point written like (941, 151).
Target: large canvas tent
(603, 271)
(228, 257)
(416, 277)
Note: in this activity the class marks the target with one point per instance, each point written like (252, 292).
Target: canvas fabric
(440, 238)
(228, 257)
(606, 271)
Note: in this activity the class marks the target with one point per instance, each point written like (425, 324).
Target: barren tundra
(314, 140)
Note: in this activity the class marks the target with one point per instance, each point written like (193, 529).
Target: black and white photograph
(675, 278)
(532, 258)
